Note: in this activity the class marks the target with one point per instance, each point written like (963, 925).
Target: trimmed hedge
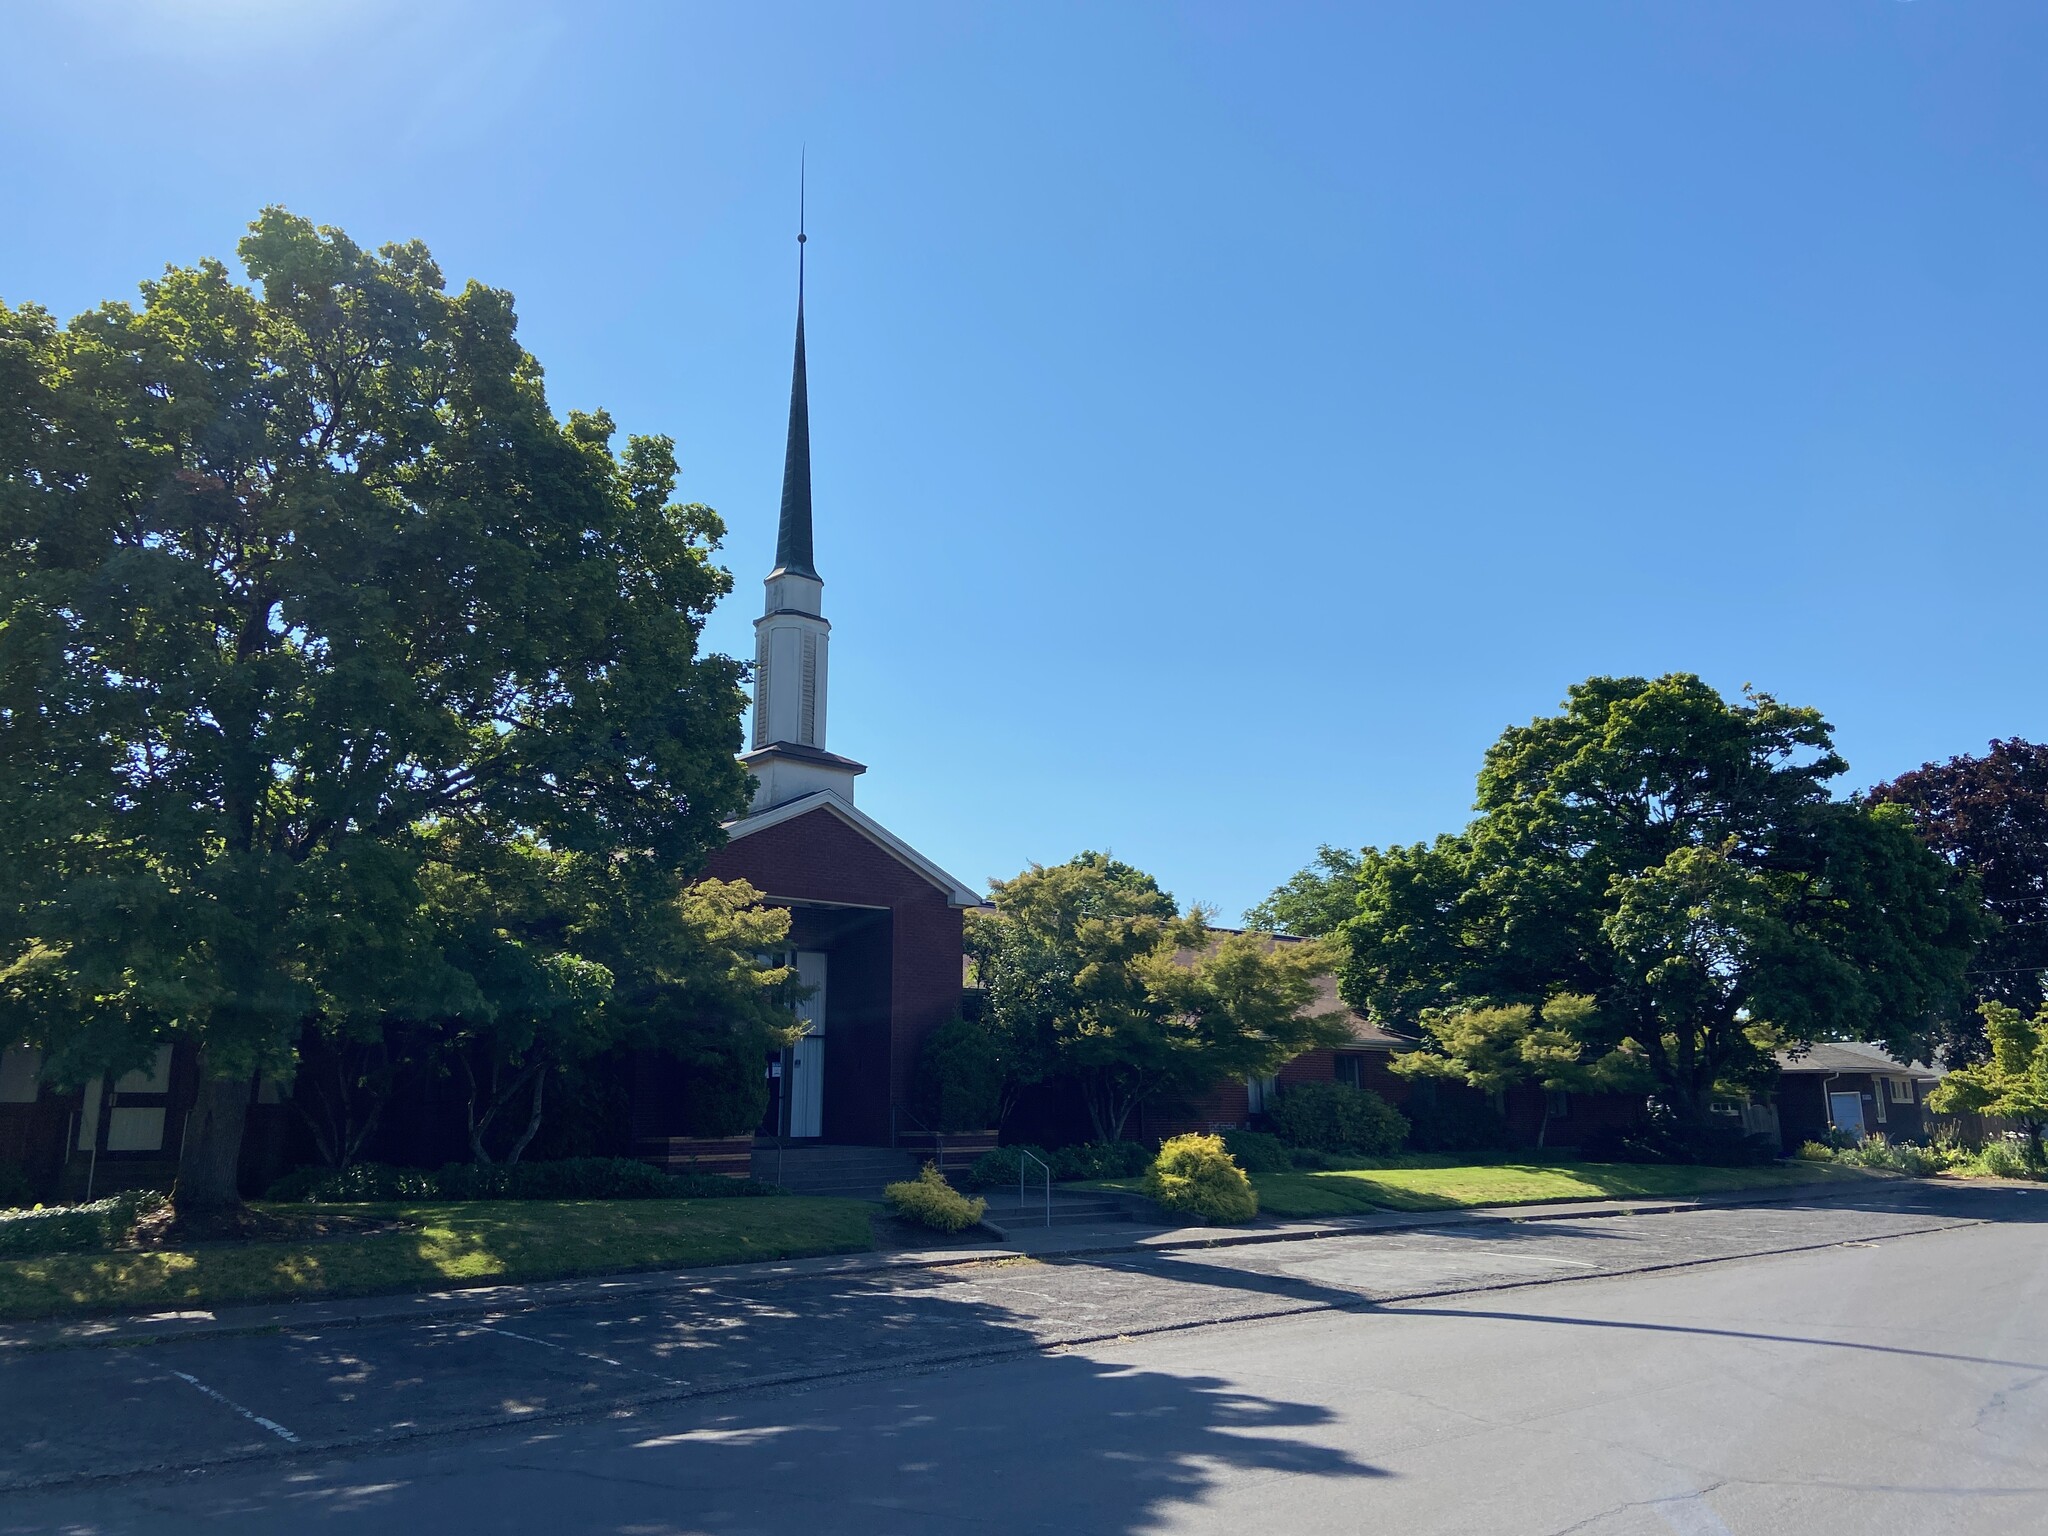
(17, 1191)
(1259, 1152)
(1088, 1160)
(931, 1202)
(1663, 1140)
(1333, 1118)
(73, 1228)
(1196, 1176)
(572, 1178)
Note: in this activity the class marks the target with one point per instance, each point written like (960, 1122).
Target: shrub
(2002, 1158)
(1101, 1160)
(993, 1169)
(573, 1178)
(1445, 1122)
(1196, 1176)
(73, 1228)
(1662, 1139)
(1087, 1160)
(1896, 1157)
(930, 1201)
(959, 1079)
(1309, 1159)
(1259, 1152)
(1333, 1118)
(1815, 1152)
(16, 1191)
(722, 1090)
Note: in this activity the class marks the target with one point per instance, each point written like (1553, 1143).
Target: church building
(875, 925)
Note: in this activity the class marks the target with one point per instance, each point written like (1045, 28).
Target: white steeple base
(784, 771)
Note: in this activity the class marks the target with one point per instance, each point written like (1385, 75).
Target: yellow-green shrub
(931, 1202)
(1197, 1176)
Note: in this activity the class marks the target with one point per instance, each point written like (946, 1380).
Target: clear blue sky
(1227, 418)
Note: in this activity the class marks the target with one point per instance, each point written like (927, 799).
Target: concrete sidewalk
(1051, 1243)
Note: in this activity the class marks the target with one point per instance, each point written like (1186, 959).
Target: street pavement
(1876, 1356)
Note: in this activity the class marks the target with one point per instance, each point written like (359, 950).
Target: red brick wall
(817, 857)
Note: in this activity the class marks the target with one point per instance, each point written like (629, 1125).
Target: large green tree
(1091, 973)
(1679, 860)
(297, 578)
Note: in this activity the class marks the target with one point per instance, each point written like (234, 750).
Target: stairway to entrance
(857, 1173)
(1070, 1208)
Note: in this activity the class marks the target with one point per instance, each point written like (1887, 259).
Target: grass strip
(1443, 1182)
(1359, 1191)
(455, 1243)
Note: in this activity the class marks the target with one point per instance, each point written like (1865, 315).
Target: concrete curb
(1082, 1243)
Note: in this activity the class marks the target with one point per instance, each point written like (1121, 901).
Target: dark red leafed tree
(1989, 815)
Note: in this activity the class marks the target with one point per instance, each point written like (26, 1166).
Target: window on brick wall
(1351, 1071)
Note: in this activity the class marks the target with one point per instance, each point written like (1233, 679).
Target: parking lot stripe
(272, 1425)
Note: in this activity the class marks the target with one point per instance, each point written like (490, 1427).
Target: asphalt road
(1878, 1360)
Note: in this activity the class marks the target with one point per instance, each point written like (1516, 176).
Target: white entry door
(806, 1087)
(1846, 1110)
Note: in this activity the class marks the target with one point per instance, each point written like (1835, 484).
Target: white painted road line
(272, 1425)
(527, 1338)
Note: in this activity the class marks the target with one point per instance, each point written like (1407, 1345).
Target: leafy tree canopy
(1316, 901)
(2011, 1083)
(304, 585)
(1092, 973)
(1678, 860)
(1989, 815)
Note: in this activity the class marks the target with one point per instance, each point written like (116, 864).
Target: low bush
(573, 1178)
(1896, 1157)
(1088, 1160)
(931, 1202)
(1815, 1152)
(1662, 1139)
(73, 1228)
(1333, 1118)
(1259, 1151)
(1309, 1160)
(1101, 1160)
(1196, 1176)
(17, 1191)
(2002, 1158)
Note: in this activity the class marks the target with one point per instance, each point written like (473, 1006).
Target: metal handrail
(1023, 1173)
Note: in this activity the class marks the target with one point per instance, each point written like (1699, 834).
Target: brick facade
(895, 942)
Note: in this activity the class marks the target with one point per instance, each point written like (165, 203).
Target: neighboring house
(1854, 1089)
(1532, 1113)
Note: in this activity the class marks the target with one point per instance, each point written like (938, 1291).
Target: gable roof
(1831, 1056)
(824, 800)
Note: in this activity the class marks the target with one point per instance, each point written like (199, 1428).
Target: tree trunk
(210, 1162)
(540, 1084)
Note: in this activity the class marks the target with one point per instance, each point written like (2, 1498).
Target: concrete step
(857, 1173)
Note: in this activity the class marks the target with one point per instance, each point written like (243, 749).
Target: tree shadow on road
(832, 1405)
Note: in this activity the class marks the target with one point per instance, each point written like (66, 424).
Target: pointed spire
(793, 533)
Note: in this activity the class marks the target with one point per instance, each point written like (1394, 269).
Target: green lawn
(467, 1243)
(1440, 1183)
(1353, 1191)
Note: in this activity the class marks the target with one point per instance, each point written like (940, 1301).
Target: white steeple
(791, 638)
